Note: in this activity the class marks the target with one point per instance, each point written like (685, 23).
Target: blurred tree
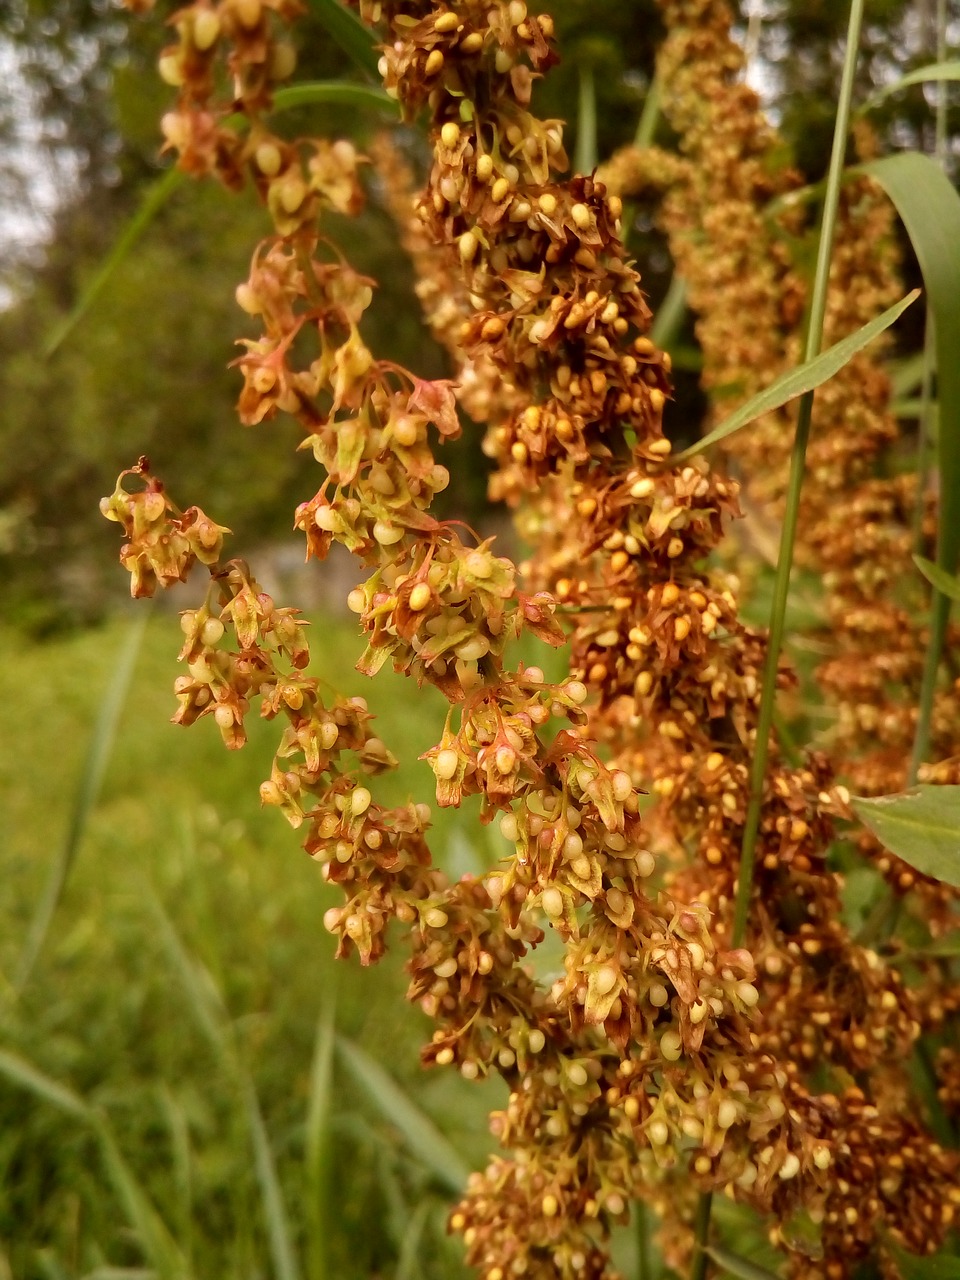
(146, 371)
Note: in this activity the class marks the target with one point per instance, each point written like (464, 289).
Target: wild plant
(718, 1028)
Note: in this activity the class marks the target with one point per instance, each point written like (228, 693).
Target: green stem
(701, 1226)
(940, 607)
(814, 341)
(643, 1241)
(585, 160)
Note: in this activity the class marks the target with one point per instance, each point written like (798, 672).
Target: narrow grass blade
(341, 93)
(20, 1072)
(921, 826)
(157, 1242)
(182, 1167)
(946, 583)
(585, 160)
(319, 1144)
(346, 30)
(929, 208)
(805, 378)
(913, 1266)
(156, 197)
(410, 1264)
(85, 797)
(423, 1137)
(278, 1228)
(921, 75)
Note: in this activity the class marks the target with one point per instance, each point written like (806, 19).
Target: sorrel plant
(717, 1028)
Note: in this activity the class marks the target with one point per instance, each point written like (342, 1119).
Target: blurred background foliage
(185, 897)
(147, 370)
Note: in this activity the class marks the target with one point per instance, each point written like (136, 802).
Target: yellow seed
(446, 22)
(420, 597)
(500, 190)
(450, 135)
(681, 628)
(581, 216)
(552, 900)
(674, 548)
(206, 29)
(468, 245)
(657, 400)
(433, 63)
(472, 43)
(171, 69)
(660, 447)
(484, 167)
(550, 1206)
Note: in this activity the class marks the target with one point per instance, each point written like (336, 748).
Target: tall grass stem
(814, 339)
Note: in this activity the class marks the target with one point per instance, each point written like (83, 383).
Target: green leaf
(84, 799)
(921, 1267)
(806, 377)
(423, 1137)
(947, 584)
(921, 826)
(921, 75)
(346, 30)
(929, 208)
(737, 1266)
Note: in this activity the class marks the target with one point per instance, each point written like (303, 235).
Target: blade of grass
(156, 197)
(946, 583)
(346, 30)
(423, 1137)
(319, 1144)
(85, 797)
(182, 1168)
(804, 380)
(929, 208)
(409, 1264)
(284, 1257)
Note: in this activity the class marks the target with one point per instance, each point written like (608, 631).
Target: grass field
(173, 1100)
